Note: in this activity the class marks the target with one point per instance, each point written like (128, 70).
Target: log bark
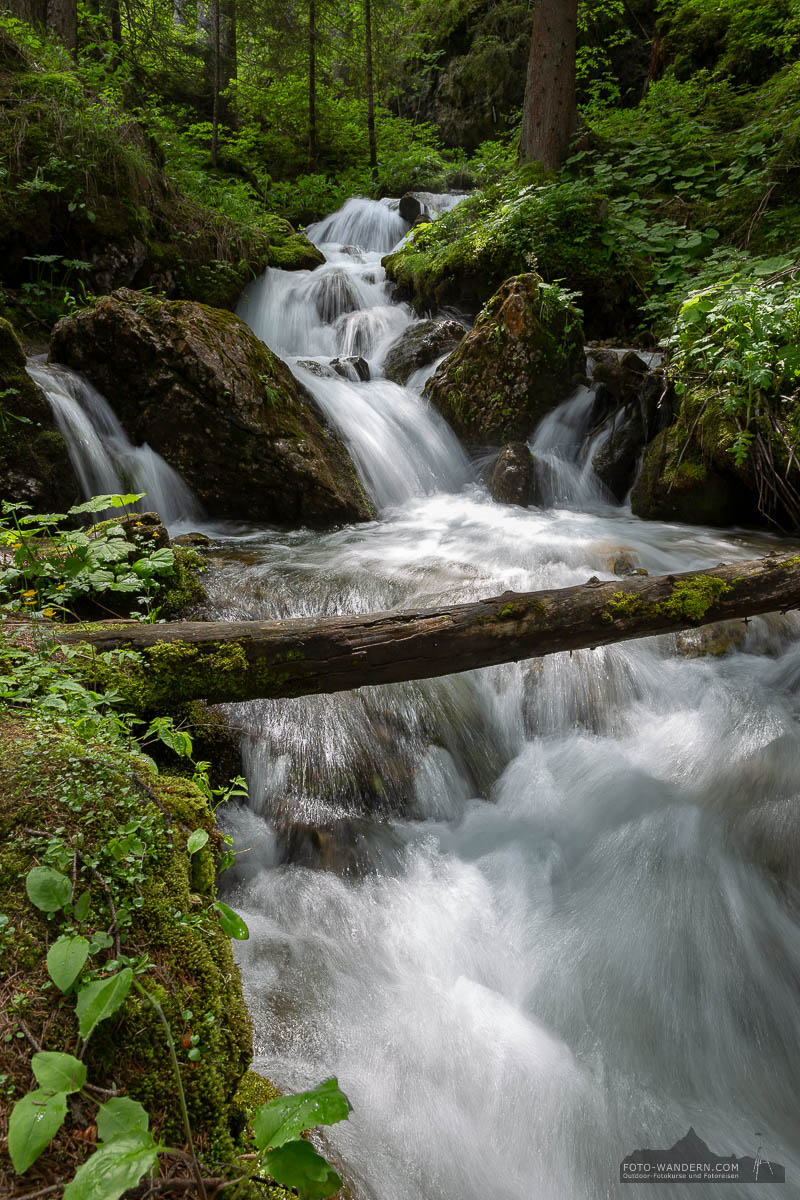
(246, 660)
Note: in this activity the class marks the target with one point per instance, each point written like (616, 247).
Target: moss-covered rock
(67, 801)
(688, 473)
(198, 386)
(85, 184)
(34, 463)
(289, 250)
(525, 222)
(522, 358)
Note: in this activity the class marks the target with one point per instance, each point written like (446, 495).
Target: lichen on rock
(523, 357)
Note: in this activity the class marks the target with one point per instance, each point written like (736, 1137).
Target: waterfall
(369, 224)
(103, 457)
(526, 915)
(401, 447)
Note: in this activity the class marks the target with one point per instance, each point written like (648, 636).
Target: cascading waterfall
(524, 914)
(102, 455)
(400, 446)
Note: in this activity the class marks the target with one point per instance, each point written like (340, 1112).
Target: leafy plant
(50, 567)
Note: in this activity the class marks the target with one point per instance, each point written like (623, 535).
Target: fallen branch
(246, 660)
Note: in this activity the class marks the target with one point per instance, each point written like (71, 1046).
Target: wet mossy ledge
(34, 463)
(201, 389)
(69, 802)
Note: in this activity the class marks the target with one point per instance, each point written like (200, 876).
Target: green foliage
(67, 957)
(277, 1129)
(744, 339)
(231, 922)
(34, 1121)
(48, 889)
(52, 567)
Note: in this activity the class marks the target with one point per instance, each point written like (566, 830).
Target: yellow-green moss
(52, 780)
(692, 598)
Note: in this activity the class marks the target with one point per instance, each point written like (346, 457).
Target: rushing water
(524, 914)
(103, 457)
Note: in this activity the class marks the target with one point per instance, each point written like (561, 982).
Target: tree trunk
(32, 11)
(216, 89)
(115, 19)
(373, 150)
(548, 110)
(221, 661)
(62, 20)
(312, 85)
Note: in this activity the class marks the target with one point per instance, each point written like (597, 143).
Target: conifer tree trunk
(115, 19)
(548, 110)
(62, 20)
(373, 150)
(312, 84)
(216, 89)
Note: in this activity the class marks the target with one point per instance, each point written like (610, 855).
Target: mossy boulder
(688, 473)
(34, 463)
(420, 344)
(197, 385)
(523, 357)
(289, 250)
(64, 799)
(526, 221)
(85, 187)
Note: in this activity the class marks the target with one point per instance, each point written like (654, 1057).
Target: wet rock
(321, 370)
(520, 361)
(192, 539)
(289, 250)
(353, 367)
(410, 208)
(623, 563)
(223, 410)
(334, 295)
(711, 640)
(34, 464)
(511, 476)
(616, 462)
(420, 344)
(147, 527)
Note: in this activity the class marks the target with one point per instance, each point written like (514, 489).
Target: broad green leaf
(49, 890)
(231, 922)
(121, 1117)
(100, 1000)
(98, 503)
(58, 1072)
(112, 1169)
(285, 1118)
(298, 1165)
(34, 1122)
(65, 959)
(196, 841)
(80, 909)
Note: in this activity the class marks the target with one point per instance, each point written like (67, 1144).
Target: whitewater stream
(524, 914)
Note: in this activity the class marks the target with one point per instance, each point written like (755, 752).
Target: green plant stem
(179, 1081)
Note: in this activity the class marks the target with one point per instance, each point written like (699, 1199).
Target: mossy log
(247, 660)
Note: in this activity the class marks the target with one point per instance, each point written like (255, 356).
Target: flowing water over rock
(103, 457)
(548, 931)
(527, 915)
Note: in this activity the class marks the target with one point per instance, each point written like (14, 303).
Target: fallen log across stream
(247, 660)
